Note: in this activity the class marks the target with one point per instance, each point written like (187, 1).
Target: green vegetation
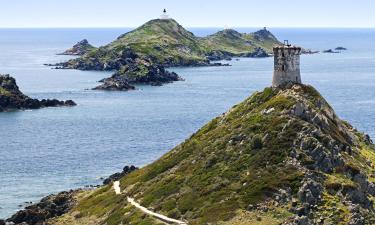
(5, 92)
(167, 43)
(235, 43)
(241, 158)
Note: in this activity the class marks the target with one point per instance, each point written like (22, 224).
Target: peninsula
(11, 98)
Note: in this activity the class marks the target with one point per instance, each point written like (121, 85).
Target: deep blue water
(49, 150)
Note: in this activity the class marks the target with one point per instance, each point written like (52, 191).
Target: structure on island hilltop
(286, 64)
(164, 16)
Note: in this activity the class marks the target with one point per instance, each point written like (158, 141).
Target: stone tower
(286, 64)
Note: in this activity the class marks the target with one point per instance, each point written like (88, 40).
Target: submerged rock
(11, 98)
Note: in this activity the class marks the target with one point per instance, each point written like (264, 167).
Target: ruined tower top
(286, 64)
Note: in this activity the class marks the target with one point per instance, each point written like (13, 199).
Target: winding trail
(117, 189)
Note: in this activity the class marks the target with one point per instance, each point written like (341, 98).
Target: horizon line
(218, 27)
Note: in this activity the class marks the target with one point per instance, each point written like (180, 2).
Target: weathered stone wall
(286, 65)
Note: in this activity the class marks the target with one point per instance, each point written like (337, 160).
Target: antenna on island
(164, 16)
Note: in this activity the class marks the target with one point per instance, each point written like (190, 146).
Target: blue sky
(190, 13)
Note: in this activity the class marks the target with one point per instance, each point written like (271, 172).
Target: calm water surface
(49, 150)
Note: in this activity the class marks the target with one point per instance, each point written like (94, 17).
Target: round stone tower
(286, 64)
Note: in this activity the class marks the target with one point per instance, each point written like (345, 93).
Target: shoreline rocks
(48, 207)
(55, 205)
(258, 53)
(11, 98)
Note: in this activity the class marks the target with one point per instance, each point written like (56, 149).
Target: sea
(49, 150)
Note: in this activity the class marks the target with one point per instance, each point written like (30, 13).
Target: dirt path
(116, 187)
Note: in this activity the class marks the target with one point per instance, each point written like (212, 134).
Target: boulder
(117, 176)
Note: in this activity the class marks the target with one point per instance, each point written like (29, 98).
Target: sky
(189, 13)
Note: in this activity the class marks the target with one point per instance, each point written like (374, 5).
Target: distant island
(340, 48)
(11, 98)
(141, 56)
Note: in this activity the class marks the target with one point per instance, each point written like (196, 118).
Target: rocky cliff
(280, 157)
(11, 98)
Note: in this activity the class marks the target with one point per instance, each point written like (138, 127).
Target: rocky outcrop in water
(330, 51)
(114, 84)
(340, 48)
(11, 98)
(80, 48)
(138, 71)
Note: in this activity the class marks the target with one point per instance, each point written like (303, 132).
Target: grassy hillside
(282, 155)
(235, 43)
(167, 43)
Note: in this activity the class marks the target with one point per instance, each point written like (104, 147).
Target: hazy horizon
(193, 13)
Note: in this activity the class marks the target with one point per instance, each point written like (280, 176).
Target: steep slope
(165, 40)
(280, 157)
(11, 98)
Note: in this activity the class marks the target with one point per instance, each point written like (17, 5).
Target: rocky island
(282, 156)
(141, 55)
(79, 49)
(137, 70)
(340, 48)
(11, 98)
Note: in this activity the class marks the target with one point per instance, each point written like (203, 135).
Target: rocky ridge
(280, 157)
(11, 98)
(79, 49)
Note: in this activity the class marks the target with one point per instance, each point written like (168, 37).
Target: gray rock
(301, 220)
(310, 192)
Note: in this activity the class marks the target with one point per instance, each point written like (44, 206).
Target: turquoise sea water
(49, 150)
